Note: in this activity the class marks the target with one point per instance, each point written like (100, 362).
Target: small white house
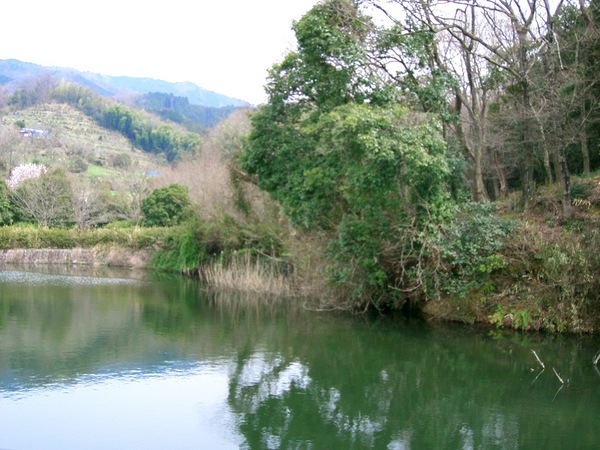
(31, 132)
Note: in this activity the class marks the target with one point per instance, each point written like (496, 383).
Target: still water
(127, 361)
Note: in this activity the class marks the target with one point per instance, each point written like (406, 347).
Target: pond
(122, 360)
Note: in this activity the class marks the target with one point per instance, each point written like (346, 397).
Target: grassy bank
(222, 253)
(545, 275)
(34, 237)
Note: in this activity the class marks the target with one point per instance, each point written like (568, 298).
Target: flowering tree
(24, 172)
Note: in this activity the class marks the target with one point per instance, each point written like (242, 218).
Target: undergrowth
(542, 274)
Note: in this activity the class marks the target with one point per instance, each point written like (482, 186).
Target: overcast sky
(225, 46)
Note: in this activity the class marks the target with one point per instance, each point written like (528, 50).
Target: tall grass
(250, 274)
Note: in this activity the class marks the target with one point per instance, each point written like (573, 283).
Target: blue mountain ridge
(14, 74)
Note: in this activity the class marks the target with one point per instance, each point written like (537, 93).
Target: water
(122, 361)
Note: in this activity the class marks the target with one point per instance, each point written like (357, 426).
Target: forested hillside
(394, 124)
(179, 110)
(142, 130)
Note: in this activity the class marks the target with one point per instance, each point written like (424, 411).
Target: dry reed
(249, 275)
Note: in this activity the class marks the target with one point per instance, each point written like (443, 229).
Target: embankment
(112, 257)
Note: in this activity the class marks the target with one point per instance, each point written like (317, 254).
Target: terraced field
(74, 142)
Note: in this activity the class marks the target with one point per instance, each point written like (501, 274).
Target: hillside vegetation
(74, 141)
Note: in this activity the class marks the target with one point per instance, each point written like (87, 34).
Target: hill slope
(74, 142)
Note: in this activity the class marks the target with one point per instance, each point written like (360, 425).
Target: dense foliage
(167, 206)
(375, 135)
(335, 148)
(7, 207)
(179, 110)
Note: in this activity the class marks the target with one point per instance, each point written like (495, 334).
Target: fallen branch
(537, 376)
(596, 358)
(558, 376)
(538, 359)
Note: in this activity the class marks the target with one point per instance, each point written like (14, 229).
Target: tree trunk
(500, 174)
(585, 151)
(479, 192)
(556, 165)
(566, 178)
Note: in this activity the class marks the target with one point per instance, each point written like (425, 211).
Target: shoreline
(110, 257)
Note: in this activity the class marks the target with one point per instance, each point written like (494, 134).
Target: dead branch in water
(558, 376)
(538, 359)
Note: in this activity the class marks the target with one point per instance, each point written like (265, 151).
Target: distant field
(73, 140)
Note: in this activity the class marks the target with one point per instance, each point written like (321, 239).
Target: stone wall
(116, 257)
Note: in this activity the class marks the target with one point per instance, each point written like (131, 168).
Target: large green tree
(167, 206)
(337, 149)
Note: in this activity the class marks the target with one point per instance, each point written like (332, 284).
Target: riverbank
(105, 256)
(542, 275)
(545, 276)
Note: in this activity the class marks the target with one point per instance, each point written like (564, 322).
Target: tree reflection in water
(298, 379)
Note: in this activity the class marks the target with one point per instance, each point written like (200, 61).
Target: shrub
(78, 165)
(7, 208)
(470, 249)
(167, 206)
(121, 161)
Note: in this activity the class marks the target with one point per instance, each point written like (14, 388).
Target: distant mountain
(178, 109)
(14, 73)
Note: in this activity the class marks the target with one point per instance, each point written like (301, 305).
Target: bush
(7, 208)
(121, 161)
(78, 165)
(470, 249)
(31, 236)
(167, 206)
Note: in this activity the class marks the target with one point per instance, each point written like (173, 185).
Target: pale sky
(225, 46)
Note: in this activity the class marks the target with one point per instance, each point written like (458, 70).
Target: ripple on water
(45, 279)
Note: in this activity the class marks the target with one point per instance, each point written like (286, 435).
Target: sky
(225, 46)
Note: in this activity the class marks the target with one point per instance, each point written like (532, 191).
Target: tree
(46, 199)
(531, 62)
(23, 172)
(167, 206)
(9, 139)
(344, 158)
(7, 207)
(91, 203)
(127, 194)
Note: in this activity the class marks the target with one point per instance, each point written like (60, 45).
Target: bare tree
(509, 52)
(46, 199)
(90, 203)
(128, 192)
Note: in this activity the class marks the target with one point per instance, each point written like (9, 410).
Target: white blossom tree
(24, 172)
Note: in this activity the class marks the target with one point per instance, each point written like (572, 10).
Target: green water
(140, 363)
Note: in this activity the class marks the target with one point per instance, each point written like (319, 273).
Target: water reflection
(160, 363)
